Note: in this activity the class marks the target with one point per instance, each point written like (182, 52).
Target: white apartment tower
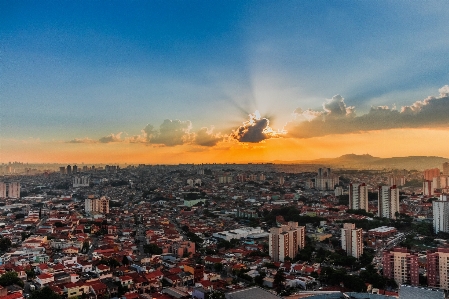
(358, 196)
(352, 240)
(326, 180)
(10, 190)
(285, 241)
(441, 215)
(2, 190)
(80, 181)
(388, 203)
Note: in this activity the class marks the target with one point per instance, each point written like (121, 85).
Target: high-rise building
(69, 169)
(427, 188)
(352, 240)
(441, 215)
(286, 240)
(358, 196)
(62, 170)
(14, 190)
(429, 174)
(396, 180)
(2, 190)
(388, 201)
(326, 180)
(401, 265)
(99, 205)
(75, 169)
(446, 168)
(437, 268)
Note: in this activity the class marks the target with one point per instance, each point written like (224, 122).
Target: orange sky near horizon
(385, 143)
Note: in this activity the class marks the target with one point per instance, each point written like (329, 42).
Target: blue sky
(75, 69)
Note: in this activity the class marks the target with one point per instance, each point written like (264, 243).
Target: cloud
(82, 140)
(111, 138)
(256, 129)
(206, 137)
(170, 133)
(337, 118)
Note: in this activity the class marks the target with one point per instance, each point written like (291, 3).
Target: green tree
(152, 249)
(125, 260)
(10, 278)
(278, 281)
(216, 295)
(44, 293)
(218, 267)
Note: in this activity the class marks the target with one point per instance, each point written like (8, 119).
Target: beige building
(437, 268)
(100, 205)
(358, 196)
(352, 240)
(285, 241)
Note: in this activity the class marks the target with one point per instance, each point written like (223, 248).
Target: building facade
(99, 205)
(326, 180)
(82, 181)
(401, 265)
(441, 215)
(352, 240)
(438, 268)
(358, 196)
(388, 201)
(286, 240)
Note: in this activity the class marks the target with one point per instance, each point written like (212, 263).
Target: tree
(218, 267)
(125, 261)
(10, 278)
(5, 244)
(278, 281)
(152, 249)
(216, 295)
(44, 293)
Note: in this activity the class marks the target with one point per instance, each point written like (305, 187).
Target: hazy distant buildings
(96, 205)
(446, 168)
(80, 181)
(352, 240)
(224, 179)
(358, 196)
(427, 188)
(3, 190)
(396, 180)
(69, 169)
(429, 174)
(388, 201)
(10, 190)
(326, 180)
(285, 241)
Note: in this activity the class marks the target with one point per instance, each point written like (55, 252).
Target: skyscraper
(2, 190)
(358, 196)
(352, 240)
(285, 241)
(429, 174)
(69, 169)
(441, 215)
(388, 201)
(401, 265)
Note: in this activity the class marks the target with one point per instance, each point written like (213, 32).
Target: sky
(164, 82)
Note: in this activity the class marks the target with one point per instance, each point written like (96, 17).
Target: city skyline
(205, 82)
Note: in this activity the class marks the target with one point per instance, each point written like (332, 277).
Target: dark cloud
(255, 130)
(337, 118)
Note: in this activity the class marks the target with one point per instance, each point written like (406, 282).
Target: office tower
(429, 174)
(85, 168)
(437, 268)
(14, 190)
(75, 169)
(396, 180)
(69, 169)
(2, 190)
(82, 181)
(401, 265)
(358, 196)
(352, 240)
(326, 180)
(388, 201)
(62, 170)
(99, 205)
(427, 188)
(446, 168)
(441, 215)
(285, 241)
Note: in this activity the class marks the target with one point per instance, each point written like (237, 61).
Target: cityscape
(224, 149)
